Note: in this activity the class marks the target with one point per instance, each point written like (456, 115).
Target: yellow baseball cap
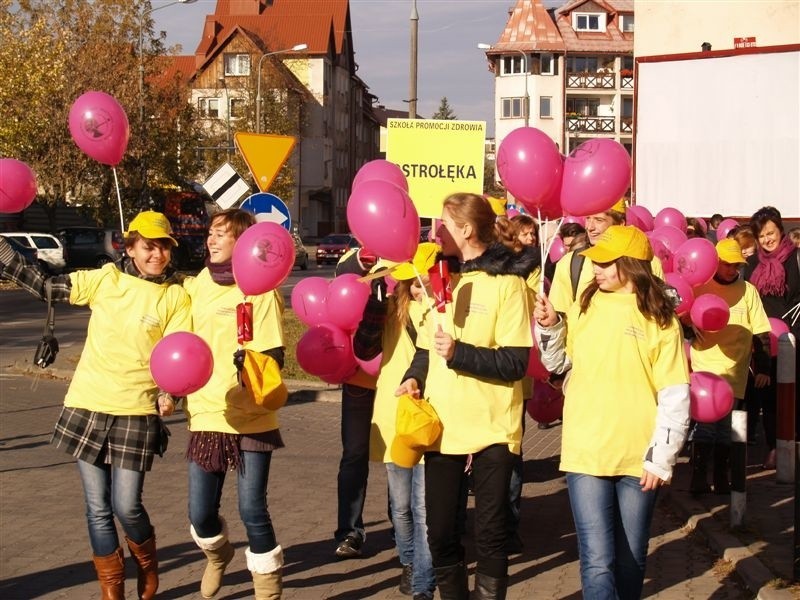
(730, 251)
(619, 206)
(151, 225)
(498, 205)
(423, 259)
(617, 241)
(417, 429)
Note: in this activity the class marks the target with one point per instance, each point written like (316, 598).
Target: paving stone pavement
(44, 550)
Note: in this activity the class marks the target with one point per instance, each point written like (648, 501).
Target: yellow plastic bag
(417, 429)
(262, 376)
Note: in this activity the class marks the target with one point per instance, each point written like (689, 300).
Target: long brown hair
(651, 298)
(475, 210)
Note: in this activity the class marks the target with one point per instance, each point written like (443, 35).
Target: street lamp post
(227, 117)
(144, 15)
(526, 108)
(296, 48)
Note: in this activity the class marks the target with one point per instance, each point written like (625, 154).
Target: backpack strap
(575, 267)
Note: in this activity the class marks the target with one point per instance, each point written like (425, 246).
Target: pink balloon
(547, 403)
(672, 217)
(779, 327)
(99, 126)
(512, 212)
(661, 251)
(346, 299)
(638, 216)
(17, 185)
(671, 236)
(326, 351)
(573, 219)
(308, 300)
(724, 228)
(371, 367)
(711, 397)
(702, 223)
(709, 313)
(262, 259)
(181, 363)
(383, 217)
(684, 289)
(382, 170)
(696, 261)
(529, 164)
(596, 175)
(557, 250)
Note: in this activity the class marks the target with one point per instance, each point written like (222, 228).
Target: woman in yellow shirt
(626, 406)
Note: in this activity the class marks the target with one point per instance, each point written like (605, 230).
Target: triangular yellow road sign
(264, 154)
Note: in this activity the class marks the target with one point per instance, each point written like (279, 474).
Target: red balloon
(99, 126)
(326, 351)
(383, 170)
(696, 261)
(547, 403)
(638, 216)
(724, 228)
(346, 299)
(779, 327)
(596, 175)
(684, 291)
(383, 218)
(711, 397)
(709, 313)
(17, 185)
(181, 363)
(262, 258)
(529, 164)
(308, 300)
(672, 217)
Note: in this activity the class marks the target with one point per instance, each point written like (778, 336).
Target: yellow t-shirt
(223, 404)
(727, 352)
(620, 361)
(129, 316)
(398, 350)
(561, 288)
(490, 312)
(533, 282)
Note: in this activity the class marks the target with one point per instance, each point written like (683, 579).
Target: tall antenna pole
(412, 88)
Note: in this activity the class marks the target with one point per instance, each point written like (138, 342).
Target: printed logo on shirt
(635, 332)
(226, 311)
(477, 309)
(150, 321)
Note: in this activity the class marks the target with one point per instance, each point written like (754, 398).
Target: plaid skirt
(123, 441)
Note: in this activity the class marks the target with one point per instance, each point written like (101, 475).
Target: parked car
(90, 247)
(300, 253)
(333, 246)
(49, 250)
(30, 254)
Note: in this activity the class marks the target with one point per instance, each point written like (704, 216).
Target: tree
(445, 111)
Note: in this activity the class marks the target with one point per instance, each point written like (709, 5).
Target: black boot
(490, 588)
(722, 455)
(452, 582)
(700, 455)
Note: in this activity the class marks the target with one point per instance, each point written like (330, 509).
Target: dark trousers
(491, 472)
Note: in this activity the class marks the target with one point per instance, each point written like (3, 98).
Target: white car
(48, 247)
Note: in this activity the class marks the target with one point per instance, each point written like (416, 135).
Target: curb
(755, 575)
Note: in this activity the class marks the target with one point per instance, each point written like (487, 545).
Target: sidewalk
(44, 551)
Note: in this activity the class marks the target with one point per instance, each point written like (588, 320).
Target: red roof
(529, 28)
(612, 40)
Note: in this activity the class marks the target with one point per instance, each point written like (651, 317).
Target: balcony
(593, 81)
(626, 124)
(626, 79)
(581, 124)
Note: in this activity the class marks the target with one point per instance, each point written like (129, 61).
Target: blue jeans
(357, 403)
(407, 501)
(109, 492)
(612, 521)
(205, 493)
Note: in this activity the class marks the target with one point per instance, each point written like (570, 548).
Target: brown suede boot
(267, 571)
(219, 552)
(111, 575)
(146, 566)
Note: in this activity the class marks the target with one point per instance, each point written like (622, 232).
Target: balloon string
(119, 200)
(546, 246)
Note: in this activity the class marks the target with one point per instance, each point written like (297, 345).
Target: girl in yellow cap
(626, 407)
(110, 420)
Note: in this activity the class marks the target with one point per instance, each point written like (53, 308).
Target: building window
(627, 62)
(546, 64)
(208, 107)
(512, 65)
(513, 108)
(236, 107)
(627, 107)
(626, 23)
(544, 107)
(589, 21)
(585, 107)
(237, 64)
(582, 64)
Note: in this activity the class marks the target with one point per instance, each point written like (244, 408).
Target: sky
(449, 63)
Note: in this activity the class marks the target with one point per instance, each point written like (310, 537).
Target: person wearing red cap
(626, 407)
(110, 421)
